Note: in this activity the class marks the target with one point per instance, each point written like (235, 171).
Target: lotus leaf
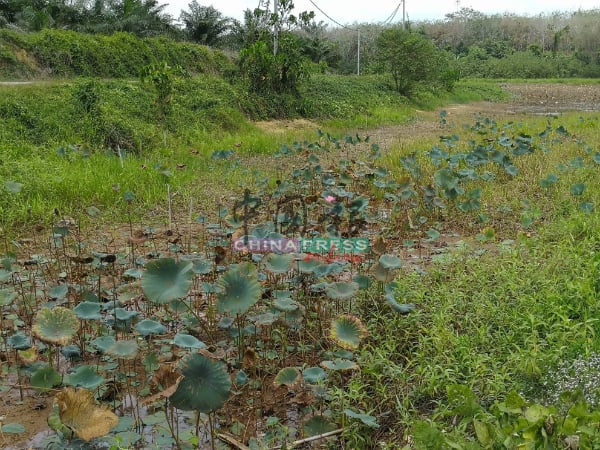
(289, 376)
(88, 311)
(390, 262)
(78, 411)
(149, 327)
(278, 264)
(341, 290)
(205, 385)
(123, 349)
(239, 290)
(314, 375)
(86, 377)
(45, 379)
(339, 364)
(19, 341)
(317, 425)
(55, 326)
(166, 280)
(188, 341)
(347, 331)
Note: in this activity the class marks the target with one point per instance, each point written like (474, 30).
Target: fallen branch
(311, 439)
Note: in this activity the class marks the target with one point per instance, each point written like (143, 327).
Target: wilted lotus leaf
(341, 290)
(28, 356)
(79, 412)
(239, 290)
(278, 264)
(166, 280)
(347, 331)
(290, 376)
(205, 385)
(55, 326)
(123, 349)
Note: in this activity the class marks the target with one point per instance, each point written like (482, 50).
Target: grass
(40, 120)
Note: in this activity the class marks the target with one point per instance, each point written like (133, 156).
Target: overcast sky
(350, 11)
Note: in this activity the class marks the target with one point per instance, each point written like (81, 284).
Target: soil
(527, 98)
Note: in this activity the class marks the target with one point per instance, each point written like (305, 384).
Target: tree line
(465, 43)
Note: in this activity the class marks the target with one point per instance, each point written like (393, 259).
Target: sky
(373, 11)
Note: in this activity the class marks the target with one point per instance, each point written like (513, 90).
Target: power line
(330, 18)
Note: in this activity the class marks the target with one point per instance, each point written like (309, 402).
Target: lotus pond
(144, 337)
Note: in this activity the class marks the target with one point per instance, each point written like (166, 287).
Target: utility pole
(404, 14)
(358, 56)
(276, 28)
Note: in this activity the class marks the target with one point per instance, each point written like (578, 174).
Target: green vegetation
(482, 262)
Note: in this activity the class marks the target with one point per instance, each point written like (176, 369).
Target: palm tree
(204, 24)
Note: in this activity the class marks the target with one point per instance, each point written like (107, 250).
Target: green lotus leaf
(358, 205)
(71, 352)
(347, 331)
(339, 364)
(13, 187)
(266, 319)
(59, 292)
(7, 296)
(368, 420)
(166, 280)
(285, 304)
(19, 341)
(85, 376)
(135, 273)
(149, 327)
(341, 290)
(241, 378)
(363, 281)
(239, 290)
(289, 376)
(587, 207)
(103, 343)
(205, 385)
(390, 262)
(123, 349)
(88, 311)
(13, 428)
(202, 266)
(188, 341)
(278, 264)
(226, 322)
(400, 308)
(125, 315)
(382, 274)
(314, 375)
(55, 326)
(45, 378)
(578, 189)
(308, 265)
(317, 425)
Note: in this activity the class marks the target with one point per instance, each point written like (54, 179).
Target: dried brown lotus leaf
(78, 410)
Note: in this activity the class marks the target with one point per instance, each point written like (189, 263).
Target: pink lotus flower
(330, 199)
